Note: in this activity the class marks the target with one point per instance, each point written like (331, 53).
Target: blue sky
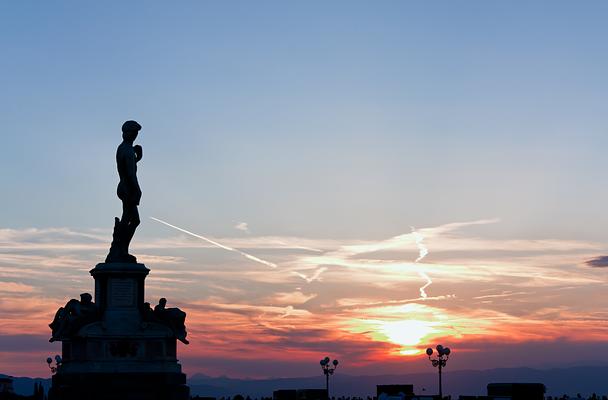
(309, 117)
(323, 121)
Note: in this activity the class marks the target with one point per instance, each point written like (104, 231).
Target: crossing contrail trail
(422, 252)
(221, 246)
(315, 276)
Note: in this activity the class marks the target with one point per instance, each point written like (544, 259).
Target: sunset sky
(391, 175)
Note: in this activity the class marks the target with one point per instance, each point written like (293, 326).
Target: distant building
(400, 392)
(395, 390)
(284, 394)
(311, 394)
(6, 385)
(517, 391)
(300, 394)
(480, 398)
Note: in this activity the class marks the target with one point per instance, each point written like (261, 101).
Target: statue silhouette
(74, 315)
(127, 157)
(173, 317)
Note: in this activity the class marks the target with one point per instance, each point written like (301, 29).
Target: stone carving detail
(129, 192)
(173, 318)
(123, 348)
(122, 292)
(73, 316)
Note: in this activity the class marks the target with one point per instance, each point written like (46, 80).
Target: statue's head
(130, 129)
(86, 298)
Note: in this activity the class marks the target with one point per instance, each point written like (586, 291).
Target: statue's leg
(131, 222)
(123, 229)
(115, 248)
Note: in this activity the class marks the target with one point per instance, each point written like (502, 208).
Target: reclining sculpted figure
(74, 315)
(173, 317)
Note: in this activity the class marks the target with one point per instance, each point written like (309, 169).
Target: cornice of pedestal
(120, 268)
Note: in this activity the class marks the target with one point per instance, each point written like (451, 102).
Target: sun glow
(407, 332)
(410, 352)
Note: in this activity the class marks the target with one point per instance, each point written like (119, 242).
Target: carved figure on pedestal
(127, 157)
(173, 317)
(73, 316)
(148, 313)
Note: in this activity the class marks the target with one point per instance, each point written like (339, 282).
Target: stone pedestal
(126, 353)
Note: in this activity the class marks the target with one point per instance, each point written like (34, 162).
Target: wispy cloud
(598, 262)
(242, 226)
(291, 298)
(16, 288)
(360, 298)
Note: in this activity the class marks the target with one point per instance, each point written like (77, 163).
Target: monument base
(121, 386)
(123, 351)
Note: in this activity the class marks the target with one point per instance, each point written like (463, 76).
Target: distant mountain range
(571, 380)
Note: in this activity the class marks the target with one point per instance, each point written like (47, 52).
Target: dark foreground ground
(559, 382)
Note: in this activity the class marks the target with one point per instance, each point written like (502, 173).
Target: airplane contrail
(221, 246)
(428, 283)
(422, 249)
(315, 276)
(422, 252)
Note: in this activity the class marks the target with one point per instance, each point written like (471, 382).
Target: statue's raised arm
(127, 156)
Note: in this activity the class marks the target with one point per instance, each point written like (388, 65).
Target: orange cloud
(357, 300)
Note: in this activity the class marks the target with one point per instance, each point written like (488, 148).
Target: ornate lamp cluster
(443, 353)
(328, 369)
(58, 362)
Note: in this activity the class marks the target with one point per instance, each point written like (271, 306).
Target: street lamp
(58, 362)
(328, 370)
(443, 353)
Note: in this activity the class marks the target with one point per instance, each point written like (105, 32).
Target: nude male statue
(127, 157)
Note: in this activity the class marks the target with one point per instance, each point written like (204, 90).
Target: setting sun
(406, 333)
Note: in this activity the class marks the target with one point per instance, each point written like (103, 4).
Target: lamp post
(443, 353)
(58, 362)
(328, 370)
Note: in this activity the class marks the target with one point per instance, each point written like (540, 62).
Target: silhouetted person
(127, 157)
